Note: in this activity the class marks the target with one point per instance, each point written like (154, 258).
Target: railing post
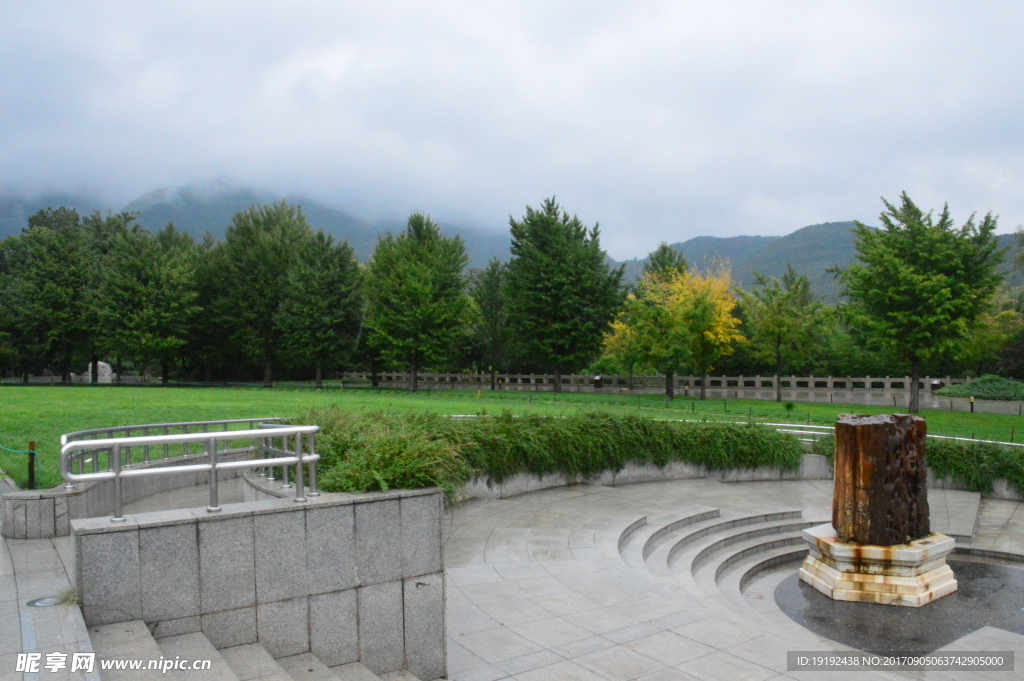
(167, 448)
(268, 470)
(299, 498)
(214, 506)
(115, 460)
(284, 469)
(313, 491)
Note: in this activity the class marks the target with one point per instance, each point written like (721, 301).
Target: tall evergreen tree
(563, 294)
(149, 296)
(51, 288)
(323, 306)
(259, 250)
(416, 291)
(488, 291)
(921, 283)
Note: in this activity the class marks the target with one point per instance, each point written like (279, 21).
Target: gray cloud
(663, 120)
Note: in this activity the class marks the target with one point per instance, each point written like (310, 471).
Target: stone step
(760, 576)
(125, 641)
(748, 537)
(193, 648)
(647, 538)
(252, 662)
(307, 667)
(710, 574)
(400, 675)
(691, 543)
(353, 671)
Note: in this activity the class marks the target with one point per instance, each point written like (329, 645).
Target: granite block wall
(348, 578)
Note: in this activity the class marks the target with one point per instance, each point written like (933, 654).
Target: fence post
(31, 464)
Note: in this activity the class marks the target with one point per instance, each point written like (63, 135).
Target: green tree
(50, 287)
(921, 283)
(416, 292)
(149, 296)
(488, 290)
(258, 252)
(323, 308)
(563, 295)
(664, 261)
(784, 321)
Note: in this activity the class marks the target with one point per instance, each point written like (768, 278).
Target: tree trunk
(494, 379)
(24, 376)
(374, 378)
(703, 386)
(165, 372)
(414, 366)
(65, 369)
(915, 391)
(670, 385)
(94, 370)
(119, 368)
(558, 381)
(268, 373)
(319, 378)
(207, 373)
(778, 375)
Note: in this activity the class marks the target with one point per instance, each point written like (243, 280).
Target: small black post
(31, 464)
(1011, 433)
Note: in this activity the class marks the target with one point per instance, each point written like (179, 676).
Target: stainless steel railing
(89, 457)
(297, 449)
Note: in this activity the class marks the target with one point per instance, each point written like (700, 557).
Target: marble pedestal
(907, 574)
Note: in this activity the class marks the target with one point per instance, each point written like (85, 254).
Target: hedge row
(977, 465)
(985, 388)
(375, 451)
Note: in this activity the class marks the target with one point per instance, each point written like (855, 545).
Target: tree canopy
(919, 283)
(563, 293)
(416, 292)
(784, 320)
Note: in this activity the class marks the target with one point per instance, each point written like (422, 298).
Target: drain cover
(44, 602)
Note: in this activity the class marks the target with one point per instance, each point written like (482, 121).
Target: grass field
(43, 413)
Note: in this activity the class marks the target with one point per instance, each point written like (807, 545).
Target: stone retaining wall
(47, 513)
(348, 578)
(813, 467)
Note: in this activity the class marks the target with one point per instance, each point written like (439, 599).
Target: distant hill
(811, 250)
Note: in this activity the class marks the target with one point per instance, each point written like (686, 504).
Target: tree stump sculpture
(879, 547)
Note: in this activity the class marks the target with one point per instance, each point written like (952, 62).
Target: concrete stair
(252, 662)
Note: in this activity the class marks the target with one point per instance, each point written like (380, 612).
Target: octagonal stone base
(907, 574)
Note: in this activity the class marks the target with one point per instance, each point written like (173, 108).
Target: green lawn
(43, 413)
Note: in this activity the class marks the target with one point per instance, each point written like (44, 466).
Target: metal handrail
(82, 456)
(117, 470)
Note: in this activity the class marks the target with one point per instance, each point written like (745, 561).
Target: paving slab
(557, 551)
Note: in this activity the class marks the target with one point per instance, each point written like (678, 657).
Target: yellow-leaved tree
(674, 320)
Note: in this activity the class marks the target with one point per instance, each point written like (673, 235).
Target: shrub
(975, 464)
(374, 451)
(985, 388)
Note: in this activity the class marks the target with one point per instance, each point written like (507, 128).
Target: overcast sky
(661, 120)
